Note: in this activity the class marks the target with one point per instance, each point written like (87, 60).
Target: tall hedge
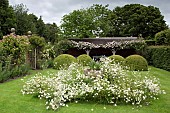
(159, 56)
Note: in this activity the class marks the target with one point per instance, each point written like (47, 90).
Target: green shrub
(163, 37)
(159, 56)
(117, 59)
(37, 41)
(94, 65)
(136, 63)
(62, 46)
(63, 61)
(84, 59)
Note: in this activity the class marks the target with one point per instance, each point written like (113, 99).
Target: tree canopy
(7, 18)
(135, 19)
(96, 20)
(87, 22)
(129, 20)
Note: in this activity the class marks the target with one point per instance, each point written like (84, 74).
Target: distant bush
(159, 56)
(117, 59)
(63, 46)
(63, 61)
(163, 37)
(84, 59)
(136, 63)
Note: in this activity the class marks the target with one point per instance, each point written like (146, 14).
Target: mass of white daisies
(110, 84)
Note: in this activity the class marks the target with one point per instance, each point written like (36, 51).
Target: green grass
(12, 101)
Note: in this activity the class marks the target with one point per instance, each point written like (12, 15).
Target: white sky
(53, 10)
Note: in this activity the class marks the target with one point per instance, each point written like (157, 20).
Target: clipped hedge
(63, 61)
(159, 56)
(84, 59)
(117, 59)
(136, 63)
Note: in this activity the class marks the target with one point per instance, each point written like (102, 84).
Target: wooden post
(35, 58)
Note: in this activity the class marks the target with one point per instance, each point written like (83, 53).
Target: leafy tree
(25, 22)
(7, 18)
(40, 27)
(135, 19)
(51, 32)
(86, 23)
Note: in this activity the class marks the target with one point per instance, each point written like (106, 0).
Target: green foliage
(63, 61)
(13, 51)
(158, 56)
(136, 63)
(135, 19)
(15, 47)
(13, 71)
(37, 41)
(84, 59)
(7, 18)
(62, 46)
(163, 37)
(37, 51)
(117, 59)
(30, 22)
(94, 65)
(51, 33)
(25, 22)
(40, 27)
(84, 23)
(129, 20)
(46, 56)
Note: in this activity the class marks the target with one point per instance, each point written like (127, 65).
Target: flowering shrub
(111, 84)
(16, 47)
(13, 49)
(46, 56)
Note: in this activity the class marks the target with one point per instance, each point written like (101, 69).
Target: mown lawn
(12, 101)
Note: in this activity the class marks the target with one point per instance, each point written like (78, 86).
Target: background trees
(7, 18)
(29, 22)
(135, 19)
(129, 20)
(86, 23)
(51, 32)
(97, 20)
(24, 22)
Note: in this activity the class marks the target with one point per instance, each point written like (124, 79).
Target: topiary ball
(117, 59)
(84, 59)
(63, 61)
(136, 63)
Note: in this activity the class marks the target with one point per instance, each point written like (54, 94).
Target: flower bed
(110, 84)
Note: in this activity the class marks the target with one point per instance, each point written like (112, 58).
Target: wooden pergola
(98, 52)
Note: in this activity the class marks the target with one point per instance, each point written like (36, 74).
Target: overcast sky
(53, 10)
